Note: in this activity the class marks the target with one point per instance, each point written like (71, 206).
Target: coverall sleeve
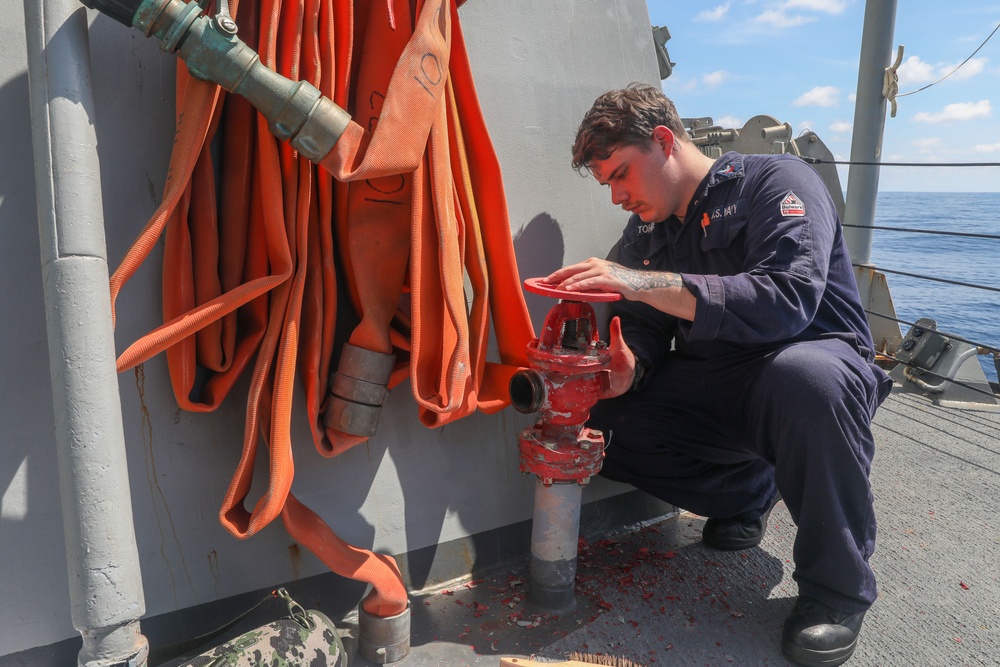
(787, 256)
(648, 332)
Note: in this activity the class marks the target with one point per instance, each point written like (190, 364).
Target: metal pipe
(913, 374)
(102, 559)
(555, 531)
(869, 120)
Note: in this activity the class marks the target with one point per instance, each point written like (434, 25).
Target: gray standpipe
(869, 122)
(555, 535)
(105, 582)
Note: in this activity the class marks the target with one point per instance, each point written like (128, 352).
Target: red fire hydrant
(569, 368)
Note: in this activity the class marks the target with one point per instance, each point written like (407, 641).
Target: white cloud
(729, 121)
(710, 80)
(779, 19)
(957, 111)
(793, 13)
(840, 126)
(716, 14)
(968, 70)
(987, 148)
(820, 96)
(914, 71)
(927, 144)
(717, 78)
(828, 6)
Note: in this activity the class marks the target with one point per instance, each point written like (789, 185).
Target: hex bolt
(226, 25)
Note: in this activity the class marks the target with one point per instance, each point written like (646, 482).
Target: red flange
(539, 286)
(577, 462)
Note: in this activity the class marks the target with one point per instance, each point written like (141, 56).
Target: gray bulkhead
(537, 66)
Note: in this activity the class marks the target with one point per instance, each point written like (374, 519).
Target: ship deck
(655, 595)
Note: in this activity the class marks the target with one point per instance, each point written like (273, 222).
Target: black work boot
(736, 534)
(817, 635)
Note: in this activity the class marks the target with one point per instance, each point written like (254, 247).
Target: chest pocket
(721, 233)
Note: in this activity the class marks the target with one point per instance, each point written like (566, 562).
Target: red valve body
(568, 371)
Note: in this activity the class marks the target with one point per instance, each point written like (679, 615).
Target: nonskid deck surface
(657, 596)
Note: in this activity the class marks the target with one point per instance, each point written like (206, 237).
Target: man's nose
(618, 195)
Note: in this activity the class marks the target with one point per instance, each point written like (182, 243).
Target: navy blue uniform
(772, 387)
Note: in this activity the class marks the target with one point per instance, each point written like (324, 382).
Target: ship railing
(892, 355)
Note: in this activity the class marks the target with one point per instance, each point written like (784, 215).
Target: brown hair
(624, 117)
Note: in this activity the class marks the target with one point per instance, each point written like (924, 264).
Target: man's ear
(664, 138)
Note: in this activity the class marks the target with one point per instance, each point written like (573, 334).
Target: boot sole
(812, 658)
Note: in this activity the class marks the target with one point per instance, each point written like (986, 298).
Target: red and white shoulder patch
(792, 206)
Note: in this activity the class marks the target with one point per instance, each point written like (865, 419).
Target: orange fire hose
(249, 263)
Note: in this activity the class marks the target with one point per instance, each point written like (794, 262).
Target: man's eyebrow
(613, 173)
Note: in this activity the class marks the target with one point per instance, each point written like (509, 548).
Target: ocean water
(971, 313)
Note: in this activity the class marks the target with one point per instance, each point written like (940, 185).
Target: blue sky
(797, 60)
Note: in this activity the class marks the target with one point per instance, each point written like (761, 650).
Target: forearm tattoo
(642, 281)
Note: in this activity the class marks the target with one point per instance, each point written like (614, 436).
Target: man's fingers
(617, 341)
(622, 360)
(566, 272)
(560, 275)
(619, 349)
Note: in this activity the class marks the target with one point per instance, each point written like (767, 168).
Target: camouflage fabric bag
(305, 638)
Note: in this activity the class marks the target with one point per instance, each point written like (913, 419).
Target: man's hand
(622, 364)
(593, 274)
(662, 290)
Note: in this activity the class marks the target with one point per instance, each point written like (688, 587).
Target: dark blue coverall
(772, 387)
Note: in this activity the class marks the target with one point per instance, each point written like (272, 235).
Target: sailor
(742, 363)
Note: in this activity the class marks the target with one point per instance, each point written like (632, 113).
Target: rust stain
(152, 190)
(467, 556)
(154, 484)
(213, 566)
(295, 556)
(147, 440)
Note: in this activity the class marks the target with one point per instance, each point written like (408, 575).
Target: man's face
(640, 181)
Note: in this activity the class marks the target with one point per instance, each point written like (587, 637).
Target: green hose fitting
(296, 111)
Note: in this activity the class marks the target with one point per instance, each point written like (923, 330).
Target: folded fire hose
(409, 201)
